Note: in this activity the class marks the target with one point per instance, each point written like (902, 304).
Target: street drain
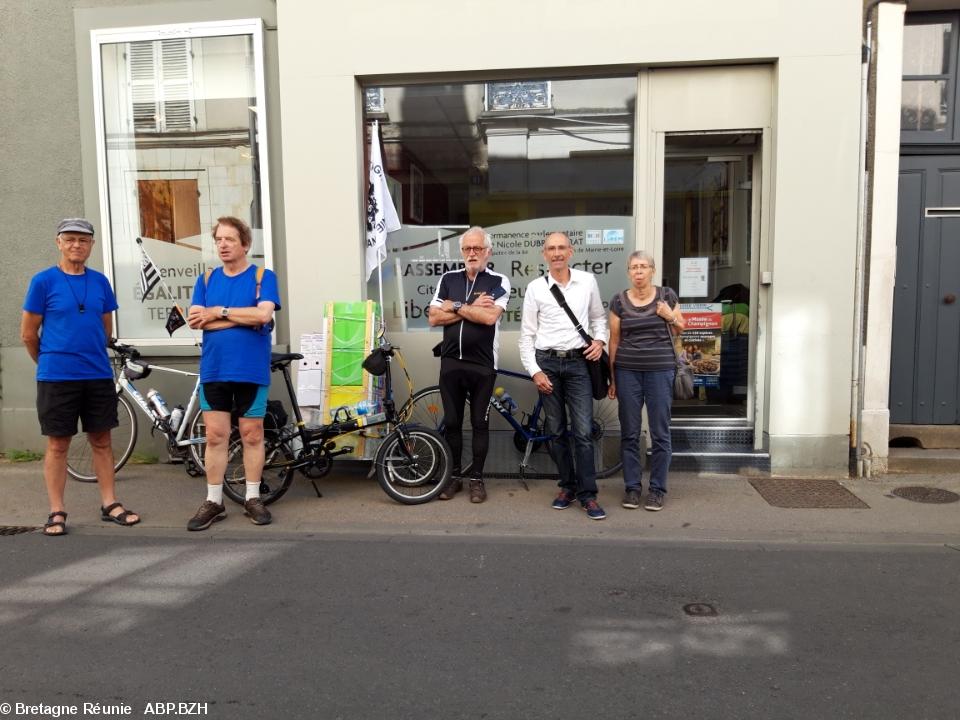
(700, 610)
(936, 496)
(806, 493)
(16, 529)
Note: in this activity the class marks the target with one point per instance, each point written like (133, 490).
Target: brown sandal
(120, 518)
(62, 524)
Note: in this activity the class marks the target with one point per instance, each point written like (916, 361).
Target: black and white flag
(149, 275)
(175, 320)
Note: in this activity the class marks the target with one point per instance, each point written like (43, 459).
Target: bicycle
(183, 441)
(529, 437)
(412, 464)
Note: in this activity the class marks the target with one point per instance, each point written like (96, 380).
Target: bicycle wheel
(426, 408)
(198, 431)
(123, 438)
(413, 464)
(606, 437)
(274, 480)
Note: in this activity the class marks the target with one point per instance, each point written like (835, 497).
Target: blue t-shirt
(236, 354)
(73, 344)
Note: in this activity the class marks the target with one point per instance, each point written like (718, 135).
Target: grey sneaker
(631, 499)
(257, 512)
(654, 501)
(209, 513)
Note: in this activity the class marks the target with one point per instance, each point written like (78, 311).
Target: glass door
(709, 238)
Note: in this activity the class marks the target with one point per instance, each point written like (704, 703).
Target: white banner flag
(381, 214)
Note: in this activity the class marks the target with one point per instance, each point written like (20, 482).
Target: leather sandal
(119, 518)
(62, 524)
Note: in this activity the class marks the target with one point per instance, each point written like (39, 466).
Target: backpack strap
(208, 272)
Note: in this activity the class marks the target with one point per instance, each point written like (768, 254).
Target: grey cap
(77, 225)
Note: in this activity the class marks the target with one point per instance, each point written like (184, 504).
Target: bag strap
(208, 272)
(670, 335)
(562, 302)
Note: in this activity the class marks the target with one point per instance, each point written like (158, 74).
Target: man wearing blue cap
(66, 323)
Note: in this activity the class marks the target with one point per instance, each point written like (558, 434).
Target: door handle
(949, 298)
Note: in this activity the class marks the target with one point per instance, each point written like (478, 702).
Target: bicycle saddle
(279, 360)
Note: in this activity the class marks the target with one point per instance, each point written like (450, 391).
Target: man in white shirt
(553, 353)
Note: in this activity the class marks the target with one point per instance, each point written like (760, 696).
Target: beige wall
(812, 55)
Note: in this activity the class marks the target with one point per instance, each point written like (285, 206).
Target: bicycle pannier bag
(376, 362)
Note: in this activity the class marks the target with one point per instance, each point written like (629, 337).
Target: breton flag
(381, 214)
(149, 275)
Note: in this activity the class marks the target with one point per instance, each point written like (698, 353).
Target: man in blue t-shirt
(234, 307)
(66, 324)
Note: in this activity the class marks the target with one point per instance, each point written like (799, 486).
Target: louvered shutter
(160, 74)
(176, 109)
(141, 69)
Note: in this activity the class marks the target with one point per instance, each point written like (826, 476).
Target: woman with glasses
(644, 319)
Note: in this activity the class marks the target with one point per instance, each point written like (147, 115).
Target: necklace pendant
(80, 307)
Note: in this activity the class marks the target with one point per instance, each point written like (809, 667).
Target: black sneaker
(593, 510)
(454, 485)
(209, 513)
(654, 501)
(257, 512)
(631, 500)
(563, 500)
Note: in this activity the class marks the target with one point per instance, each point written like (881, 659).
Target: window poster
(693, 276)
(699, 344)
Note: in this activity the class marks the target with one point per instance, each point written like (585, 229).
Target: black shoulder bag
(599, 369)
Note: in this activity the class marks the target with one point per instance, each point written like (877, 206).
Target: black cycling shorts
(61, 404)
(247, 400)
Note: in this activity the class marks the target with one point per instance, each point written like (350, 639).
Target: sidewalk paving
(707, 508)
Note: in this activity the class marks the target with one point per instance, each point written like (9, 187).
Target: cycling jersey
(465, 340)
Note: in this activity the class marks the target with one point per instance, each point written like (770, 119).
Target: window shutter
(143, 86)
(176, 84)
(160, 74)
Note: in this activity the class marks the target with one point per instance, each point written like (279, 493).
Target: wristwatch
(224, 312)
(456, 307)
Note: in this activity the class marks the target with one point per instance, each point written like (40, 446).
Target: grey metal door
(925, 357)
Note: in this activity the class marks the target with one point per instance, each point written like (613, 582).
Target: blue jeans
(572, 398)
(655, 389)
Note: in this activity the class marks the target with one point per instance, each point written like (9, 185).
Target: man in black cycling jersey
(468, 304)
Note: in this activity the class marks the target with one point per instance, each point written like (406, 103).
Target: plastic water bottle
(157, 402)
(361, 408)
(508, 402)
(176, 417)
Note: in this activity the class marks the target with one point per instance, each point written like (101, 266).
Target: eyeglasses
(640, 267)
(76, 241)
(471, 249)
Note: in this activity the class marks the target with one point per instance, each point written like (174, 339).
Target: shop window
(928, 91)
(180, 121)
(521, 159)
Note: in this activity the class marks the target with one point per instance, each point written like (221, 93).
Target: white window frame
(110, 36)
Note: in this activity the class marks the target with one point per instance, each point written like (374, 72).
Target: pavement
(699, 508)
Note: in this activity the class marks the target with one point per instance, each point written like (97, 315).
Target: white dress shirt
(544, 325)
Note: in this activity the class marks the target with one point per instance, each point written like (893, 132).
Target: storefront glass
(180, 147)
(520, 158)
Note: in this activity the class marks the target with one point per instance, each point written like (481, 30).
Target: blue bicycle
(529, 438)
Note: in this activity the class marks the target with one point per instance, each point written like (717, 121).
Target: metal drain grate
(16, 529)
(936, 496)
(806, 493)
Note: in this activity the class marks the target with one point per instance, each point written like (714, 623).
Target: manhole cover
(918, 494)
(15, 529)
(806, 493)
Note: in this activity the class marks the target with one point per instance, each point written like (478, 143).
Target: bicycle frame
(126, 385)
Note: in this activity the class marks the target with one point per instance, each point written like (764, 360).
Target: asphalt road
(313, 626)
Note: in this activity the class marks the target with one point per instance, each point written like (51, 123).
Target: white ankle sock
(253, 490)
(215, 494)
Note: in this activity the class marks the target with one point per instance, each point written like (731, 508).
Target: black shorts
(247, 400)
(60, 404)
